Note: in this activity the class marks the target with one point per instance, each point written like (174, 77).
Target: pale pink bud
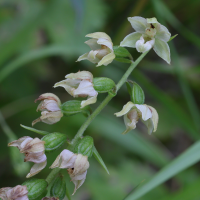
(17, 193)
(50, 109)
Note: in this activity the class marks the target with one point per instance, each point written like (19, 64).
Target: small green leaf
(73, 107)
(36, 188)
(103, 84)
(58, 188)
(99, 159)
(35, 130)
(122, 54)
(53, 141)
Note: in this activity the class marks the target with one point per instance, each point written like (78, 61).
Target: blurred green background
(40, 41)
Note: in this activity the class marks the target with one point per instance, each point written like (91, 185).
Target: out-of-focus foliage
(40, 41)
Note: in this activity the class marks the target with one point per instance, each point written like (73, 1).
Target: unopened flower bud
(73, 107)
(50, 109)
(85, 146)
(103, 84)
(58, 188)
(16, 193)
(102, 49)
(37, 188)
(80, 85)
(133, 112)
(136, 92)
(77, 165)
(53, 141)
(34, 152)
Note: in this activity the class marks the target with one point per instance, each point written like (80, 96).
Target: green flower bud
(122, 54)
(74, 107)
(103, 84)
(84, 146)
(58, 188)
(53, 141)
(136, 93)
(36, 188)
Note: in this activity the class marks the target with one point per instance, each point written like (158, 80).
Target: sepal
(53, 141)
(58, 188)
(73, 107)
(85, 146)
(36, 188)
(103, 84)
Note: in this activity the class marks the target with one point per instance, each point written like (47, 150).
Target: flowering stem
(52, 175)
(80, 132)
(107, 99)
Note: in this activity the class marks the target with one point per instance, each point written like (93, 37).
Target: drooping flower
(102, 49)
(80, 85)
(149, 33)
(50, 109)
(34, 152)
(133, 112)
(77, 166)
(16, 193)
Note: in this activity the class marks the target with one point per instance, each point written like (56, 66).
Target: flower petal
(51, 117)
(98, 35)
(49, 96)
(85, 88)
(126, 108)
(162, 33)
(103, 41)
(154, 118)
(17, 143)
(143, 46)
(149, 124)
(90, 100)
(35, 157)
(152, 20)
(162, 50)
(145, 111)
(92, 43)
(36, 168)
(130, 40)
(83, 57)
(92, 56)
(80, 75)
(138, 23)
(107, 59)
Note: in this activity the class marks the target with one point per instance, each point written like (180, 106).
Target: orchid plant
(150, 34)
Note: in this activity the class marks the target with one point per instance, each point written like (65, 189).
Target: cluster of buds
(16, 193)
(34, 152)
(77, 166)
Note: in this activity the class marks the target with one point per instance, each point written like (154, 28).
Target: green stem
(107, 99)
(52, 175)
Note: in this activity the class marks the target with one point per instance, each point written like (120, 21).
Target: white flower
(34, 152)
(133, 112)
(50, 107)
(102, 49)
(16, 193)
(149, 33)
(77, 165)
(80, 85)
